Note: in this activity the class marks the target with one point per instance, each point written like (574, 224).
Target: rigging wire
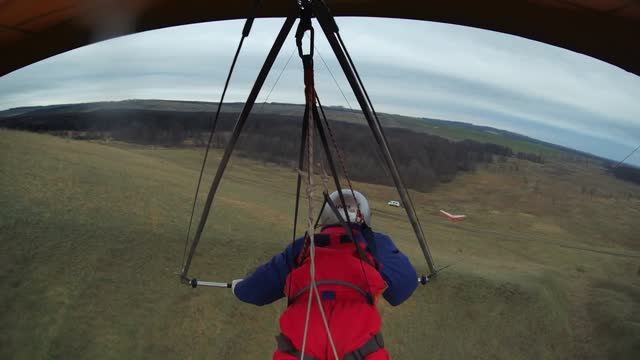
(377, 150)
(212, 129)
(334, 79)
(346, 225)
(301, 158)
(310, 231)
(346, 174)
(277, 79)
(252, 125)
(337, 149)
(377, 153)
(381, 130)
(626, 157)
(375, 115)
(275, 49)
(305, 26)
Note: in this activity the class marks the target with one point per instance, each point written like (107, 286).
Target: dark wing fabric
(32, 30)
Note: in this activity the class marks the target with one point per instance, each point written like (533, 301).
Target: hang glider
(451, 217)
(33, 30)
(314, 117)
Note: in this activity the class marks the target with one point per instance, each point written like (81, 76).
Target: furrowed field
(546, 266)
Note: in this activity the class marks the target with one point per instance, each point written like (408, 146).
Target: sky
(414, 68)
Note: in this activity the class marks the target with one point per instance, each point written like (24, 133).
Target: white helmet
(328, 217)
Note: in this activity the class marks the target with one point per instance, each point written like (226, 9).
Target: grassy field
(546, 266)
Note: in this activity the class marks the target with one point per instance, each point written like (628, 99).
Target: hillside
(453, 130)
(425, 159)
(545, 266)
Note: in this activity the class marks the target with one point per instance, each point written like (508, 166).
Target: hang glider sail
(451, 217)
(32, 30)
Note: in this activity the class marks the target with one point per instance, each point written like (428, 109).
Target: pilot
(352, 271)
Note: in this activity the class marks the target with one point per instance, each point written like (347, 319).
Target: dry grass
(90, 236)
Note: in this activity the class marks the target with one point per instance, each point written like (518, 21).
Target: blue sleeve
(266, 284)
(396, 270)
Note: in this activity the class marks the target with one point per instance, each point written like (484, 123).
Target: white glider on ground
(453, 217)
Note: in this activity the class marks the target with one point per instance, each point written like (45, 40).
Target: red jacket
(349, 286)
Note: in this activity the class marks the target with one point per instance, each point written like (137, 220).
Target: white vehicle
(394, 203)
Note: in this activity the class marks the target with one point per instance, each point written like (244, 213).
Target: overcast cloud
(409, 67)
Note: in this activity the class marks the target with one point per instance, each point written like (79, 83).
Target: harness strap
(285, 345)
(372, 345)
(331, 282)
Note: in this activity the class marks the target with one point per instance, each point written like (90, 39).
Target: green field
(547, 265)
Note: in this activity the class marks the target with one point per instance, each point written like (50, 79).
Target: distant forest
(423, 160)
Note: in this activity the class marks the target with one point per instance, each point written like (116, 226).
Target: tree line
(423, 160)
